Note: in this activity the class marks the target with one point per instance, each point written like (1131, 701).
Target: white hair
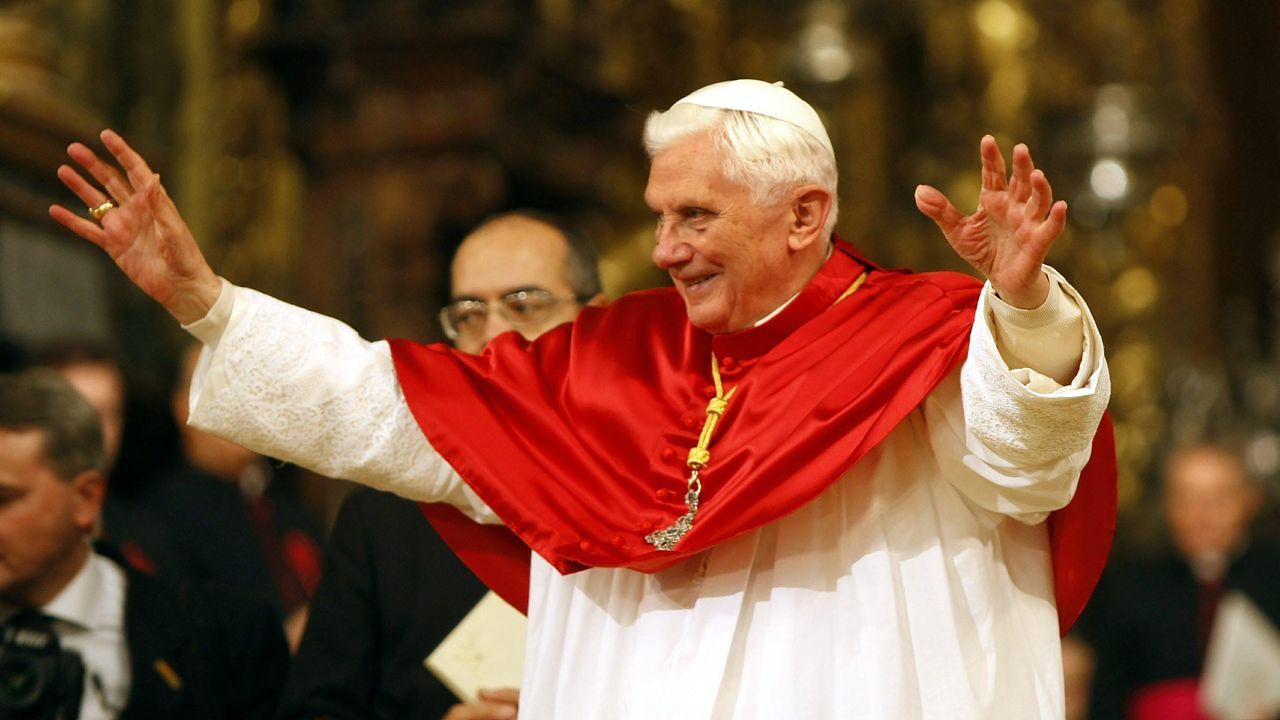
(769, 156)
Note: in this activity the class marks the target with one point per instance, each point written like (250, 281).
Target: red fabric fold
(577, 441)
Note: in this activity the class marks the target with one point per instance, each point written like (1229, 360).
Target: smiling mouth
(698, 281)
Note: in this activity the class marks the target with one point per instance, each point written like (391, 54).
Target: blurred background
(333, 152)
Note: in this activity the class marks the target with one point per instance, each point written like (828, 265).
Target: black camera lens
(38, 679)
(21, 683)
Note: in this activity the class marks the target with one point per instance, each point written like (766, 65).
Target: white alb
(917, 586)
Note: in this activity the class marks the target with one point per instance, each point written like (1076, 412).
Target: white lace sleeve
(1018, 439)
(305, 388)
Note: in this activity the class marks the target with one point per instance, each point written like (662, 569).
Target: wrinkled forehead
(688, 170)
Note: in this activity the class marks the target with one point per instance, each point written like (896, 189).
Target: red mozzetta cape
(578, 440)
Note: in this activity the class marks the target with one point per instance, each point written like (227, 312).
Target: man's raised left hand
(1008, 236)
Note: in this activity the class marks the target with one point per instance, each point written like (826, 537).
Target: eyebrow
(511, 291)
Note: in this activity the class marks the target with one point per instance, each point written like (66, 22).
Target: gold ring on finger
(97, 212)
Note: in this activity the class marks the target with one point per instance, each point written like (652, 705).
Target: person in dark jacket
(139, 648)
(1152, 617)
(391, 589)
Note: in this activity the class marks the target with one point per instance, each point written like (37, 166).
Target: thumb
(151, 192)
(931, 202)
(162, 209)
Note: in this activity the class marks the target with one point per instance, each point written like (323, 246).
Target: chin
(714, 324)
(707, 318)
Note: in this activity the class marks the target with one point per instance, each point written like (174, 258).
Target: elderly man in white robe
(918, 584)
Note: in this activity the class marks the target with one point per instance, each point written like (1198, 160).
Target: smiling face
(733, 260)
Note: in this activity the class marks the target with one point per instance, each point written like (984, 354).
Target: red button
(668, 454)
(586, 546)
(709, 391)
(663, 494)
(690, 420)
(647, 527)
(728, 363)
(617, 540)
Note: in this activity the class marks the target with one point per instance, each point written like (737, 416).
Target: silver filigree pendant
(668, 537)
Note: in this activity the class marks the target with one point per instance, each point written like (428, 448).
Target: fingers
(496, 704)
(90, 195)
(993, 170)
(163, 210)
(1020, 181)
(133, 164)
(86, 229)
(158, 200)
(501, 695)
(1041, 196)
(1026, 185)
(106, 175)
(1052, 227)
(933, 203)
(481, 711)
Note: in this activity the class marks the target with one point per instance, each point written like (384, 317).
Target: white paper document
(486, 650)
(1241, 678)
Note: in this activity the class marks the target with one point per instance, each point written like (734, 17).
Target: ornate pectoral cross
(699, 458)
(666, 538)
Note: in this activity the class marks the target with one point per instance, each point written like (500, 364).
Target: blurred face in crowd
(733, 260)
(1077, 674)
(510, 274)
(1209, 502)
(103, 386)
(45, 520)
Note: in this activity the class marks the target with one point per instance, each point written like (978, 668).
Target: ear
(810, 206)
(88, 492)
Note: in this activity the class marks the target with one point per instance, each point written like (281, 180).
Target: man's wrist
(1028, 298)
(195, 303)
(208, 328)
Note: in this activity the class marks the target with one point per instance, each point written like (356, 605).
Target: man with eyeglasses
(794, 484)
(521, 271)
(391, 589)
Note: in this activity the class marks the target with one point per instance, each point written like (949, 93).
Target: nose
(495, 325)
(670, 249)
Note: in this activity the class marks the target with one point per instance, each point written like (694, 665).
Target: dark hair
(65, 353)
(42, 400)
(12, 355)
(582, 267)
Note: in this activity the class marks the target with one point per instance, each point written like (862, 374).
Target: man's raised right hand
(145, 235)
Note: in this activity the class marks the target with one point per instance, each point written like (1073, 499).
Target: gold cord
(699, 458)
(852, 288)
(700, 455)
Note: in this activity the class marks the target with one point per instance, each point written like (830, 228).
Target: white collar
(93, 600)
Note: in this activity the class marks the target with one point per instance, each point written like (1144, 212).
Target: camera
(38, 679)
